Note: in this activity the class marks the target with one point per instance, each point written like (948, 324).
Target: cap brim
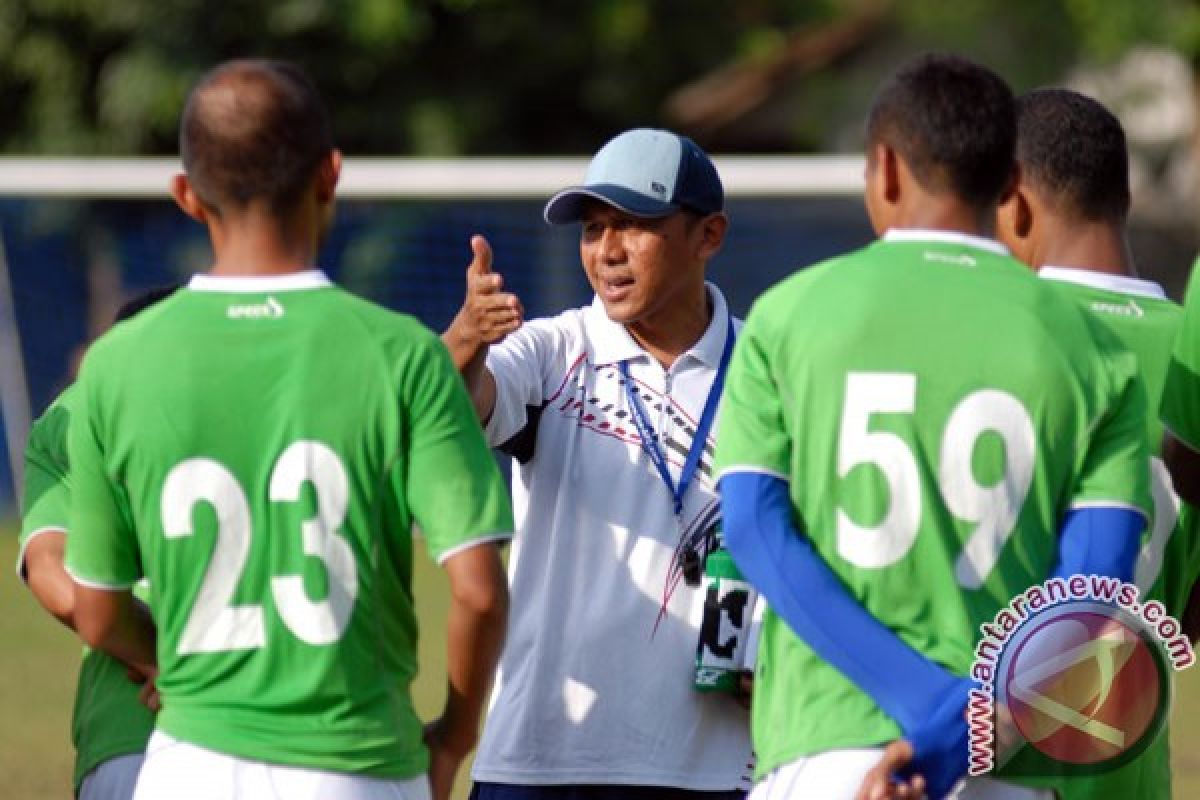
(567, 206)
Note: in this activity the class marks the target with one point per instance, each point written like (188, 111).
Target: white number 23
(215, 624)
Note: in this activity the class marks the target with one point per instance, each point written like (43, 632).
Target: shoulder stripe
(1083, 504)
(93, 584)
(754, 470)
(491, 537)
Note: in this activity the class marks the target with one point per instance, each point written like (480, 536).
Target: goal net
(78, 237)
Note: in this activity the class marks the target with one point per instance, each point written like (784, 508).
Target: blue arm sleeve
(1099, 541)
(927, 701)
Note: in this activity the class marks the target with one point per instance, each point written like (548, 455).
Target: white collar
(611, 341)
(308, 279)
(947, 237)
(1121, 284)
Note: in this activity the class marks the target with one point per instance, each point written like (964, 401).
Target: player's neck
(944, 212)
(1091, 246)
(670, 332)
(259, 243)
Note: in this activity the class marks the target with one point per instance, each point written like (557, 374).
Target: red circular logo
(1085, 687)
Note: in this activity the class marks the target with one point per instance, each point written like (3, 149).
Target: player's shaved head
(1072, 152)
(954, 124)
(253, 131)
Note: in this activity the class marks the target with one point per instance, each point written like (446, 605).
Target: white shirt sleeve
(521, 365)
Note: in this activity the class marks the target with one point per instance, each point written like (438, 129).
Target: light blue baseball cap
(646, 173)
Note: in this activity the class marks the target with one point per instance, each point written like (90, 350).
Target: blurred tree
(443, 77)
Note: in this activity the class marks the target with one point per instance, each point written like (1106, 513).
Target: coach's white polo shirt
(589, 691)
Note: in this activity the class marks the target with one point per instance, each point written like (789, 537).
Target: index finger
(481, 264)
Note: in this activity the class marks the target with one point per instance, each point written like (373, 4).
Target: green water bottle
(729, 603)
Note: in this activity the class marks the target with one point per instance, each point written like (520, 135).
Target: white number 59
(992, 509)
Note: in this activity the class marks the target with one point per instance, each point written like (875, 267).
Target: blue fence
(408, 255)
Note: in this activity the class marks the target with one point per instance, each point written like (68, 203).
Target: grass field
(38, 664)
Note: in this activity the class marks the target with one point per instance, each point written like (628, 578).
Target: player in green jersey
(1180, 413)
(894, 465)
(1067, 219)
(109, 727)
(259, 447)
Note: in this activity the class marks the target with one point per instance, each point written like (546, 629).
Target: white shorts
(838, 775)
(176, 770)
(113, 779)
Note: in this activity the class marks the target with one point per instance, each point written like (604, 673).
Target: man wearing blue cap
(609, 412)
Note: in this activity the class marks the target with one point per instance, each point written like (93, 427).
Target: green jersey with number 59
(1140, 314)
(936, 410)
(260, 448)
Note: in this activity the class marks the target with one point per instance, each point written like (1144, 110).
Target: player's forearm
(476, 628)
(469, 354)
(801, 588)
(50, 584)
(117, 623)
(926, 700)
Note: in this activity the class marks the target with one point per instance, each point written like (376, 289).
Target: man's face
(638, 266)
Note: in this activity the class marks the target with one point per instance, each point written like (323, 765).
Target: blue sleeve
(927, 701)
(1099, 541)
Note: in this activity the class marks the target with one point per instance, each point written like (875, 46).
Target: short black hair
(1072, 150)
(140, 302)
(253, 130)
(954, 123)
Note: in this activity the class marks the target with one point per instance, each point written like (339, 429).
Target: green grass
(40, 658)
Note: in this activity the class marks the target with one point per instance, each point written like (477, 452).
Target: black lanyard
(650, 441)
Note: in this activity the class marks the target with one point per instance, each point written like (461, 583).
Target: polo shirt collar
(611, 342)
(1121, 284)
(947, 237)
(308, 279)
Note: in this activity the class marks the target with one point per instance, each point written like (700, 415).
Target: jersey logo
(271, 309)
(1130, 309)
(960, 260)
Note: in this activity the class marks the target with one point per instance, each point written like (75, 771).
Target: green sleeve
(1181, 395)
(46, 497)
(452, 484)
(1115, 468)
(102, 549)
(752, 434)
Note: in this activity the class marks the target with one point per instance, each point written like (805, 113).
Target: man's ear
(1022, 210)
(889, 165)
(329, 171)
(712, 232)
(187, 199)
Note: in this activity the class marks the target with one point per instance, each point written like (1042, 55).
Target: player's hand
(148, 694)
(446, 754)
(149, 697)
(881, 782)
(488, 313)
(940, 744)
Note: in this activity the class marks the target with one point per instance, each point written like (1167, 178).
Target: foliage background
(442, 77)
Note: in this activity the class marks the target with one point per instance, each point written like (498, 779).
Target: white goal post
(401, 178)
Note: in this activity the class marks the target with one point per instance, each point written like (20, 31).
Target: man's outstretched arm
(488, 314)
